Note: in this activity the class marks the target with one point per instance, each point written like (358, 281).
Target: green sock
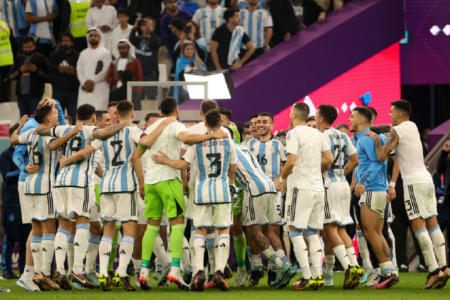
(176, 244)
(148, 243)
(240, 245)
(115, 245)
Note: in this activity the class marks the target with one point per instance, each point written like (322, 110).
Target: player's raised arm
(77, 156)
(107, 132)
(59, 142)
(15, 136)
(383, 151)
(190, 139)
(162, 159)
(148, 140)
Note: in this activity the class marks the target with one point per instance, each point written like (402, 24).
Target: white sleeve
(325, 145)
(23, 138)
(292, 143)
(268, 21)
(80, 68)
(89, 21)
(282, 152)
(189, 156)
(399, 131)
(233, 154)
(179, 128)
(28, 8)
(97, 144)
(89, 130)
(351, 149)
(47, 139)
(58, 131)
(136, 134)
(197, 17)
(106, 59)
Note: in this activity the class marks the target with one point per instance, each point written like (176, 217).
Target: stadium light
(220, 84)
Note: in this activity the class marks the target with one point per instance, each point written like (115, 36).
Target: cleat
(350, 275)
(28, 284)
(443, 282)
(366, 276)
(396, 279)
(241, 278)
(187, 274)
(209, 284)
(359, 274)
(227, 272)
(130, 268)
(163, 279)
(329, 282)
(105, 283)
(384, 283)
(47, 282)
(319, 283)
(144, 282)
(78, 286)
(92, 279)
(175, 277)
(219, 281)
(284, 276)
(62, 281)
(305, 284)
(433, 280)
(123, 282)
(255, 276)
(271, 277)
(374, 278)
(81, 280)
(199, 282)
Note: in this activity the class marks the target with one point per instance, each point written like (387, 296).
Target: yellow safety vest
(6, 55)
(78, 12)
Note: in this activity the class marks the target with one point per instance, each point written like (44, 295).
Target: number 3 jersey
(212, 160)
(118, 176)
(341, 147)
(78, 174)
(39, 153)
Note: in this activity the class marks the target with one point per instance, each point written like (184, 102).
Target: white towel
(235, 44)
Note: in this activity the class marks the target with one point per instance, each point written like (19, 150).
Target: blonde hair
(198, 61)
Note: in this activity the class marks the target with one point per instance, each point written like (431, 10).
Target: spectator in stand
(285, 23)
(242, 4)
(119, 4)
(120, 93)
(120, 32)
(246, 135)
(92, 68)
(151, 118)
(308, 12)
(149, 8)
(258, 25)
(209, 18)
(11, 213)
(188, 32)
(112, 111)
(73, 20)
(282, 134)
(32, 71)
(125, 61)
(103, 17)
(190, 5)
(7, 57)
(423, 138)
(343, 128)
(63, 67)
(169, 38)
(221, 43)
(41, 15)
(147, 44)
(311, 122)
(443, 168)
(328, 5)
(14, 15)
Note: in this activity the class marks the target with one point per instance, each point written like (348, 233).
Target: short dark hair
(254, 116)
(178, 23)
(328, 113)
(99, 114)
(342, 126)
(66, 34)
(266, 114)
(112, 103)
(229, 13)
(28, 39)
(207, 105)
(247, 125)
(281, 132)
(403, 106)
(125, 108)
(85, 112)
(246, 132)
(168, 106)
(365, 112)
(152, 115)
(311, 118)
(127, 75)
(213, 118)
(225, 112)
(373, 111)
(13, 128)
(303, 109)
(123, 11)
(42, 112)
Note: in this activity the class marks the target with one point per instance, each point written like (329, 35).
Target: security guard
(73, 19)
(7, 52)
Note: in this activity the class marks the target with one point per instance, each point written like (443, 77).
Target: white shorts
(390, 215)
(40, 207)
(337, 204)
(26, 215)
(120, 207)
(217, 215)
(261, 210)
(141, 207)
(73, 200)
(190, 204)
(420, 200)
(280, 210)
(94, 209)
(376, 201)
(304, 209)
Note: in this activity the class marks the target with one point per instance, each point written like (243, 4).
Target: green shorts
(165, 195)
(97, 194)
(237, 206)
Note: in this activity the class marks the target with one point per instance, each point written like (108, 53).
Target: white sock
(61, 249)
(301, 252)
(104, 254)
(386, 268)
(352, 256)
(199, 252)
(125, 254)
(439, 245)
(186, 254)
(191, 248)
(92, 251)
(158, 265)
(394, 254)
(137, 265)
(282, 255)
(28, 272)
(363, 250)
(160, 252)
(210, 243)
(223, 252)
(35, 245)
(342, 256)
(249, 256)
(80, 246)
(70, 252)
(426, 245)
(257, 262)
(48, 251)
(270, 254)
(315, 251)
(329, 264)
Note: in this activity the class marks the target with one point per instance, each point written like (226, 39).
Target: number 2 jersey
(212, 160)
(118, 176)
(341, 147)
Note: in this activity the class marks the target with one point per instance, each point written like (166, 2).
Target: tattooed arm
(99, 171)
(44, 130)
(103, 134)
(384, 151)
(381, 128)
(353, 162)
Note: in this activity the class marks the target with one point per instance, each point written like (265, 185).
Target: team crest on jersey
(272, 150)
(257, 18)
(220, 16)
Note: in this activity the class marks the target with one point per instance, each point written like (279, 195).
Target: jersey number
(37, 156)
(216, 163)
(263, 160)
(75, 144)
(337, 155)
(115, 161)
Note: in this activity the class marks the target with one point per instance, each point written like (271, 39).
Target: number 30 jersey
(118, 176)
(78, 174)
(341, 147)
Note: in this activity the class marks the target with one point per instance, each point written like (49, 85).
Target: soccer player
(337, 198)
(253, 126)
(226, 114)
(304, 211)
(420, 198)
(311, 122)
(215, 161)
(164, 191)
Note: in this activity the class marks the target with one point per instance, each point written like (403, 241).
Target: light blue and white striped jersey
(40, 154)
(255, 23)
(209, 19)
(270, 154)
(118, 176)
(212, 160)
(341, 147)
(80, 173)
(250, 175)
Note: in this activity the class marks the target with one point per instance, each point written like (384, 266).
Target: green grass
(409, 288)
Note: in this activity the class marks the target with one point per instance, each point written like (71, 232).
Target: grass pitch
(409, 288)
